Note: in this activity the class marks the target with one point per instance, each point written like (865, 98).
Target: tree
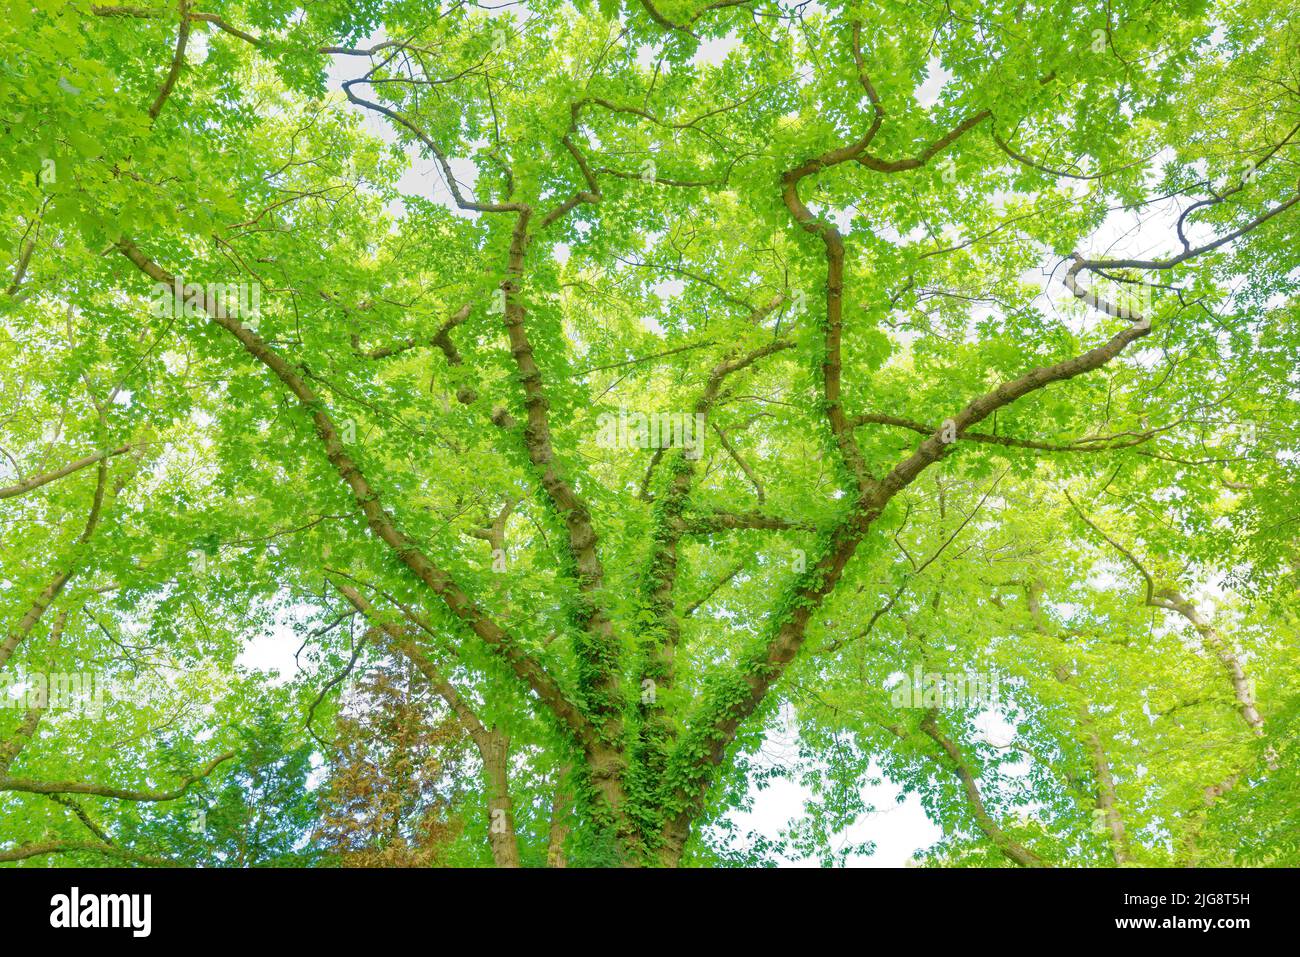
(393, 788)
(639, 376)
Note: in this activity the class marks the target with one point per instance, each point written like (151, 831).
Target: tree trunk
(495, 748)
(559, 823)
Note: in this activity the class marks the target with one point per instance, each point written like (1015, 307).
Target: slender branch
(957, 763)
(441, 339)
(28, 786)
(178, 60)
(743, 465)
(1172, 599)
(713, 589)
(36, 481)
(1103, 443)
(10, 749)
(1106, 798)
(61, 577)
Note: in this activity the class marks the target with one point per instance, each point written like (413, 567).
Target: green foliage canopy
(975, 322)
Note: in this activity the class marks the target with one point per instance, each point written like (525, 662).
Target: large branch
(668, 24)
(934, 447)
(402, 642)
(444, 164)
(850, 452)
(599, 648)
(591, 192)
(1099, 266)
(30, 238)
(178, 61)
(1188, 253)
(1170, 598)
(744, 687)
(1101, 443)
(559, 830)
(959, 766)
(725, 521)
(670, 523)
(737, 696)
(928, 152)
(833, 240)
(145, 13)
(441, 338)
(380, 522)
(658, 645)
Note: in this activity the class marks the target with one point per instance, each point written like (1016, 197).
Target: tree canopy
(588, 390)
